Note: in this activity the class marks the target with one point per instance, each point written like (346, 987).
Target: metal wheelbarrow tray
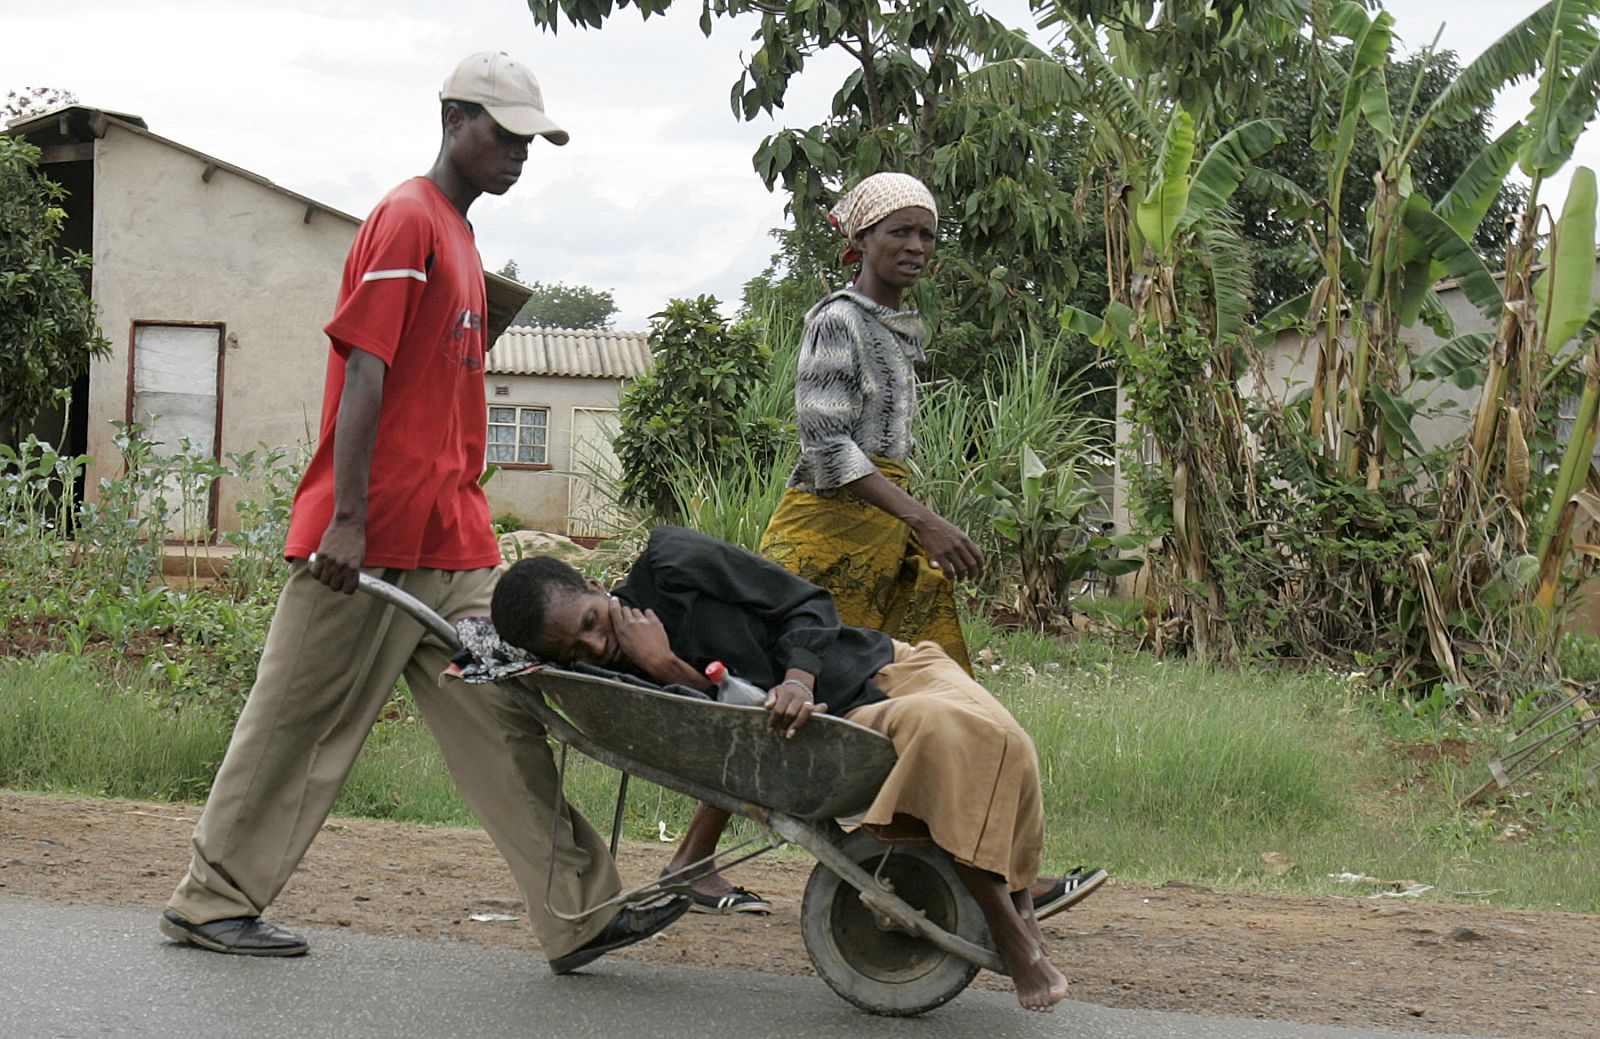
(890, 928)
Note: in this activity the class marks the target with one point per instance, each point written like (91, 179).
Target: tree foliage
(1286, 264)
(558, 305)
(1321, 525)
(682, 416)
(1008, 229)
(48, 331)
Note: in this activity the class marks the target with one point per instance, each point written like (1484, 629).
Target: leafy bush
(681, 422)
(47, 326)
(85, 578)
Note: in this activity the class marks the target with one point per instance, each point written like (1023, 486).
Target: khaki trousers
(329, 666)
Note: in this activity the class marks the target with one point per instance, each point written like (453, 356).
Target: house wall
(169, 246)
(539, 497)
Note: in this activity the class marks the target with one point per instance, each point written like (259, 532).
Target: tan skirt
(968, 775)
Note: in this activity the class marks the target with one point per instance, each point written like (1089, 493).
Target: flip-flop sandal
(737, 900)
(1068, 891)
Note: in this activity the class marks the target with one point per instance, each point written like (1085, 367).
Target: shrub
(682, 420)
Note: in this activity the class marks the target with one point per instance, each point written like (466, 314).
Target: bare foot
(1040, 986)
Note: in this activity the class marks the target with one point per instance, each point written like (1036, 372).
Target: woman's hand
(948, 547)
(790, 703)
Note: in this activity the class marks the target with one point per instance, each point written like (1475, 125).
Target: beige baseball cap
(506, 90)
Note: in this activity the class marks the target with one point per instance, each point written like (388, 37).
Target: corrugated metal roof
(577, 352)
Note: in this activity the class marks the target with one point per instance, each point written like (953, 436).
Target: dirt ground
(1423, 966)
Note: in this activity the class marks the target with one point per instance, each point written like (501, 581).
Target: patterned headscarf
(872, 200)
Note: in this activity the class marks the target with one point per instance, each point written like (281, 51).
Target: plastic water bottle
(732, 688)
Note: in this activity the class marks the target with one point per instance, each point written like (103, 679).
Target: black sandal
(738, 900)
(1068, 891)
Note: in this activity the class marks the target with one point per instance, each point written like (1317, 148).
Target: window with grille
(519, 436)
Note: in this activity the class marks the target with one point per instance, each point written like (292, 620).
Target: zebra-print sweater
(855, 390)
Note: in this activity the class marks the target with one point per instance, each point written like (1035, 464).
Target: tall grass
(970, 439)
(735, 505)
(1157, 771)
(780, 327)
(65, 727)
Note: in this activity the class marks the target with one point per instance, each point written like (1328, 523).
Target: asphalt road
(81, 971)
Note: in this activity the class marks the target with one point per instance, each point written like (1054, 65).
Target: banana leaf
(1106, 86)
(1227, 262)
(1366, 92)
(1458, 360)
(1564, 120)
(1435, 316)
(1396, 414)
(1459, 259)
(1226, 165)
(1287, 314)
(1564, 291)
(1469, 199)
(1463, 208)
(1291, 201)
(1029, 85)
(1115, 326)
(1515, 55)
(1159, 212)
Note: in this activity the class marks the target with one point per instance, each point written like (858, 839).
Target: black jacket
(719, 602)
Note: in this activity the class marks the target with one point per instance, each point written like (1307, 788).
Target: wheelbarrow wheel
(868, 961)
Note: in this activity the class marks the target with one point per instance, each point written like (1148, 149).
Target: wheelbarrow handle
(419, 611)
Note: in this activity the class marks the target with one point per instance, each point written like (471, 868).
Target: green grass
(65, 728)
(1158, 771)
(1165, 771)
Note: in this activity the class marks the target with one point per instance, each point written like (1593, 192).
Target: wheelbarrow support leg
(616, 819)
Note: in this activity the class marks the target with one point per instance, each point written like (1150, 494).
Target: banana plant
(1037, 517)
(1406, 253)
(1564, 294)
(1534, 319)
(1556, 531)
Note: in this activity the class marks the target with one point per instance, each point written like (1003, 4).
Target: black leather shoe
(239, 935)
(632, 924)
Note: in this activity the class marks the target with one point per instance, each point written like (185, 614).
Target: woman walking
(847, 521)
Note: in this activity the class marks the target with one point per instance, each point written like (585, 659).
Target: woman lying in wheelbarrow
(967, 775)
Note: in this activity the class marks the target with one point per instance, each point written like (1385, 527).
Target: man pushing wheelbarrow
(393, 489)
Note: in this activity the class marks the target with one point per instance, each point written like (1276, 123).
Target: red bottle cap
(716, 671)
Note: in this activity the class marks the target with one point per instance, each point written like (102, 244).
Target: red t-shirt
(413, 295)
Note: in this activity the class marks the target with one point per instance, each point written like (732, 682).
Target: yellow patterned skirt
(870, 562)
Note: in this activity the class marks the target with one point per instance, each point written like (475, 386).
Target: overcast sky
(337, 99)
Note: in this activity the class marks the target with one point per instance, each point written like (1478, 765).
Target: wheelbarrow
(890, 927)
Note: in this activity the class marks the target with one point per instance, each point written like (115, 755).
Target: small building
(553, 396)
(212, 283)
